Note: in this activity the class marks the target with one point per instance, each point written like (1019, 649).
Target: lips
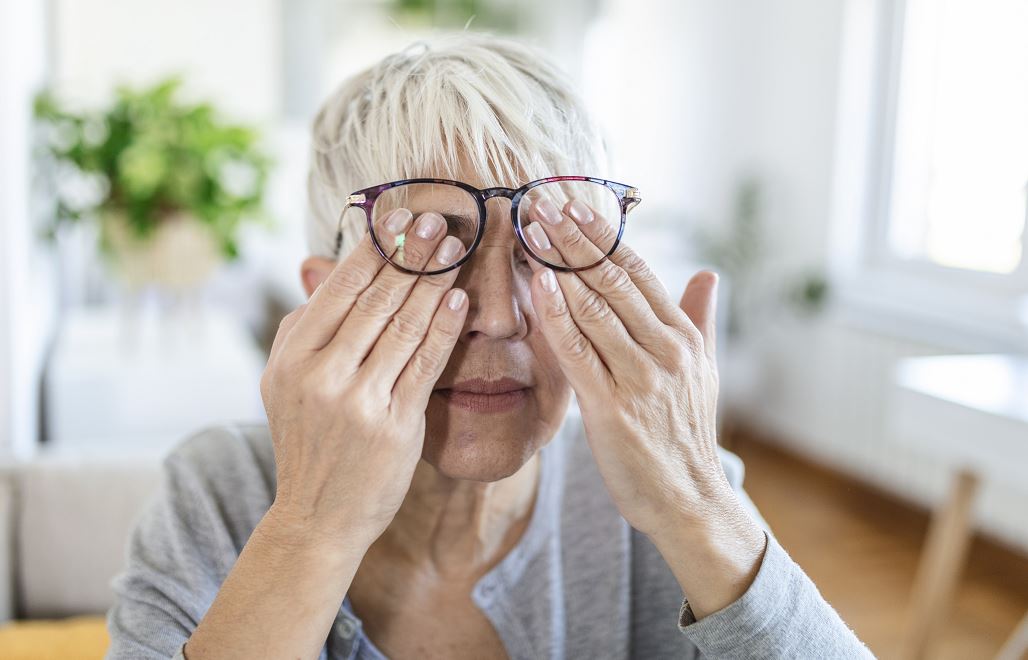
(482, 386)
(486, 396)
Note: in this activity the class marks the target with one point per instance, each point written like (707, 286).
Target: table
(972, 409)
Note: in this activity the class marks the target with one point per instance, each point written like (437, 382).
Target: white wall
(230, 54)
(229, 51)
(828, 388)
(26, 287)
(756, 87)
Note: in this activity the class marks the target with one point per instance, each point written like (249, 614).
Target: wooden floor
(861, 548)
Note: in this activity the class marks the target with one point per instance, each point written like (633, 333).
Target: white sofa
(65, 518)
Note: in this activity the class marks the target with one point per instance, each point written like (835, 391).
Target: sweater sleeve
(183, 546)
(172, 571)
(781, 615)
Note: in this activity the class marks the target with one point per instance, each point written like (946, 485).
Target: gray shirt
(581, 582)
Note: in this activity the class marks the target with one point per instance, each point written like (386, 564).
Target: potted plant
(169, 182)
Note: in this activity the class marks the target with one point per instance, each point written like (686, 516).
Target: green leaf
(160, 156)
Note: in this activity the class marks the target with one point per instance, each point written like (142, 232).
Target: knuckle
(344, 282)
(376, 301)
(574, 345)
(407, 326)
(424, 363)
(679, 358)
(593, 308)
(634, 264)
(554, 313)
(694, 338)
(361, 408)
(613, 277)
(576, 240)
(450, 333)
(687, 353)
(605, 233)
(321, 397)
(417, 253)
(321, 383)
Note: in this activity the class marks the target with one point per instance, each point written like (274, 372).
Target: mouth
(485, 396)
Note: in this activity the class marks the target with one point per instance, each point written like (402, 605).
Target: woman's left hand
(645, 375)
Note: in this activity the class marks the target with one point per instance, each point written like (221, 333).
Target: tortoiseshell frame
(628, 198)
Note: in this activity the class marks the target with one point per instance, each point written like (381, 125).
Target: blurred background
(856, 171)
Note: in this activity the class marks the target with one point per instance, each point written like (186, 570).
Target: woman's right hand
(348, 382)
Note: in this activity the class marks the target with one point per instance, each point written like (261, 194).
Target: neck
(461, 527)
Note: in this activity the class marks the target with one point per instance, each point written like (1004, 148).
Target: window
(955, 196)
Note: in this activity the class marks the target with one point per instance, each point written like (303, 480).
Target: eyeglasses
(462, 206)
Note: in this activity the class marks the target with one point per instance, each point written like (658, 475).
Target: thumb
(699, 302)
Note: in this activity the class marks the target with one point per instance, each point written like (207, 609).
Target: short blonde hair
(463, 100)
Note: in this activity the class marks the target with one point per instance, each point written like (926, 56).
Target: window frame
(872, 277)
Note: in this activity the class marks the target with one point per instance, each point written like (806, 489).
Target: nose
(495, 292)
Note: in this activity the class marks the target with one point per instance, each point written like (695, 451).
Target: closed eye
(460, 225)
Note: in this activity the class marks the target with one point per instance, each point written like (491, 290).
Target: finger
(601, 231)
(597, 321)
(285, 326)
(699, 302)
(576, 354)
(408, 327)
(596, 318)
(576, 241)
(374, 307)
(651, 286)
(422, 371)
(335, 296)
(642, 276)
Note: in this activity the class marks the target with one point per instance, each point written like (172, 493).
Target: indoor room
(773, 404)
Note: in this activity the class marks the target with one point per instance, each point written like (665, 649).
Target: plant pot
(179, 255)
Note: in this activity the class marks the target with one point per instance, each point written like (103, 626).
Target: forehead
(434, 197)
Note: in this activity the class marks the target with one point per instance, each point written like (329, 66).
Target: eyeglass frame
(628, 197)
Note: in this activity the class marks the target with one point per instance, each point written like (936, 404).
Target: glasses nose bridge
(490, 193)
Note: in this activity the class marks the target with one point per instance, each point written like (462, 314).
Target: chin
(476, 446)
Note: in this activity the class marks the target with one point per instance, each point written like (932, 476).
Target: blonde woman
(490, 431)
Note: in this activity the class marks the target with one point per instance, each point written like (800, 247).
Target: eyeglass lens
(461, 214)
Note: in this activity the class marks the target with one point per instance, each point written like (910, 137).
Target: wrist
(296, 532)
(714, 555)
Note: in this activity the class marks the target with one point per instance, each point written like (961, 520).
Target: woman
(427, 485)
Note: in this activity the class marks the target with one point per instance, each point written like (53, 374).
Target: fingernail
(580, 212)
(537, 236)
(549, 211)
(448, 250)
(428, 225)
(549, 281)
(397, 220)
(456, 299)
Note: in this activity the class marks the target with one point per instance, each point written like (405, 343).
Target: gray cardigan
(581, 583)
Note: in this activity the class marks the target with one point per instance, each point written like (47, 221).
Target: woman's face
(470, 434)
(487, 437)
